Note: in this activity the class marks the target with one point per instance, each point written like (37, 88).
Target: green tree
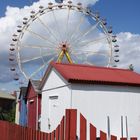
(7, 115)
(131, 67)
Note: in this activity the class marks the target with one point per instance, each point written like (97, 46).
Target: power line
(55, 88)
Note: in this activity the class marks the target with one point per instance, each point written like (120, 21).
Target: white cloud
(129, 50)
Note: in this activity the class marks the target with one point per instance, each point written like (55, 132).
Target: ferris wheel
(63, 32)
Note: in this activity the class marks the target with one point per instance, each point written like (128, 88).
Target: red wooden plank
(83, 127)
(53, 135)
(123, 138)
(1, 130)
(92, 132)
(2, 135)
(41, 135)
(16, 131)
(21, 133)
(67, 127)
(6, 130)
(44, 136)
(19, 128)
(26, 131)
(29, 134)
(37, 133)
(62, 129)
(133, 138)
(49, 136)
(103, 135)
(24, 136)
(57, 132)
(34, 134)
(113, 137)
(11, 132)
(71, 124)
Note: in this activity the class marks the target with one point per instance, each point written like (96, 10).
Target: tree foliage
(7, 115)
(131, 67)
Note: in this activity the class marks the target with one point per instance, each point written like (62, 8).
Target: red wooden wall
(66, 130)
(34, 107)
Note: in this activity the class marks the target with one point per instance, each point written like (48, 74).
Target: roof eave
(42, 83)
(76, 81)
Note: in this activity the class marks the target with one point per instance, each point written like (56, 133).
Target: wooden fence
(66, 130)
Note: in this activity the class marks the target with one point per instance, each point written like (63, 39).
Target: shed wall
(54, 101)
(96, 102)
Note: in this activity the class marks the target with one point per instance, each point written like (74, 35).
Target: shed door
(53, 110)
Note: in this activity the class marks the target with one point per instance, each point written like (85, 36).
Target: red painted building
(33, 104)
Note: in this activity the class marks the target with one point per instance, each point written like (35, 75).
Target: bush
(8, 115)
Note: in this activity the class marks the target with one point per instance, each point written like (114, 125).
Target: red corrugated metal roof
(86, 73)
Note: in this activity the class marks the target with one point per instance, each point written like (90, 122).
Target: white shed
(96, 92)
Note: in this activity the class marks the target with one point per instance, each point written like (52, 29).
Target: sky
(123, 15)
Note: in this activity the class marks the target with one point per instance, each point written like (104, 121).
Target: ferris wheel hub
(64, 47)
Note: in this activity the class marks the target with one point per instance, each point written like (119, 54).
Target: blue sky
(123, 15)
(13, 3)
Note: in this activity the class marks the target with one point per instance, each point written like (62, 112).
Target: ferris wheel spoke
(87, 32)
(92, 42)
(40, 36)
(40, 68)
(89, 52)
(76, 56)
(80, 58)
(36, 46)
(39, 57)
(55, 20)
(28, 60)
(77, 28)
(48, 29)
(67, 24)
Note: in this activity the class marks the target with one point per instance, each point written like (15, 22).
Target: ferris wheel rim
(84, 11)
